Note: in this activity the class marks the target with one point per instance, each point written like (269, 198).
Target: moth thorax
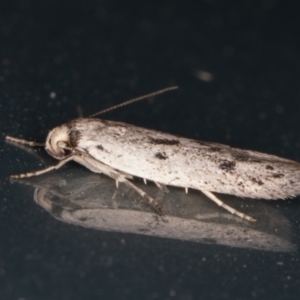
(57, 142)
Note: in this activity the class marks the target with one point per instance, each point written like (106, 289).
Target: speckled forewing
(182, 162)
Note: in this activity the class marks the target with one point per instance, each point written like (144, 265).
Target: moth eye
(66, 151)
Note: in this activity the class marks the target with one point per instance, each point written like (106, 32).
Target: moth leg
(227, 207)
(24, 142)
(40, 172)
(162, 187)
(145, 180)
(186, 190)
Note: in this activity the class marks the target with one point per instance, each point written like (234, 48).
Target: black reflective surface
(237, 67)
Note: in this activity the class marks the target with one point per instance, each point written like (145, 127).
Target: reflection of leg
(24, 142)
(99, 167)
(227, 207)
(40, 172)
(160, 195)
(149, 199)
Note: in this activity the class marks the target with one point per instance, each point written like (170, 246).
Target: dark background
(58, 55)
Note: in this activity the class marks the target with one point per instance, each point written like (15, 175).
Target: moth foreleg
(40, 172)
(227, 207)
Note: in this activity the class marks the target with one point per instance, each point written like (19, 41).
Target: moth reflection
(93, 201)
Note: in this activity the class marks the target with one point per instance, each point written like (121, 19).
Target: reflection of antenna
(135, 100)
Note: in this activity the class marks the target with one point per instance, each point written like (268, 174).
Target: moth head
(58, 142)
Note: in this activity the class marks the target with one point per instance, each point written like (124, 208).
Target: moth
(123, 151)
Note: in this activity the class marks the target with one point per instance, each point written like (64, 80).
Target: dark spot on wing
(161, 155)
(214, 149)
(240, 156)
(100, 147)
(104, 122)
(278, 175)
(221, 182)
(243, 156)
(204, 144)
(74, 135)
(227, 165)
(268, 167)
(157, 141)
(256, 180)
(255, 160)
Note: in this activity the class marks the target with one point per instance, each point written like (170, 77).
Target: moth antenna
(135, 100)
